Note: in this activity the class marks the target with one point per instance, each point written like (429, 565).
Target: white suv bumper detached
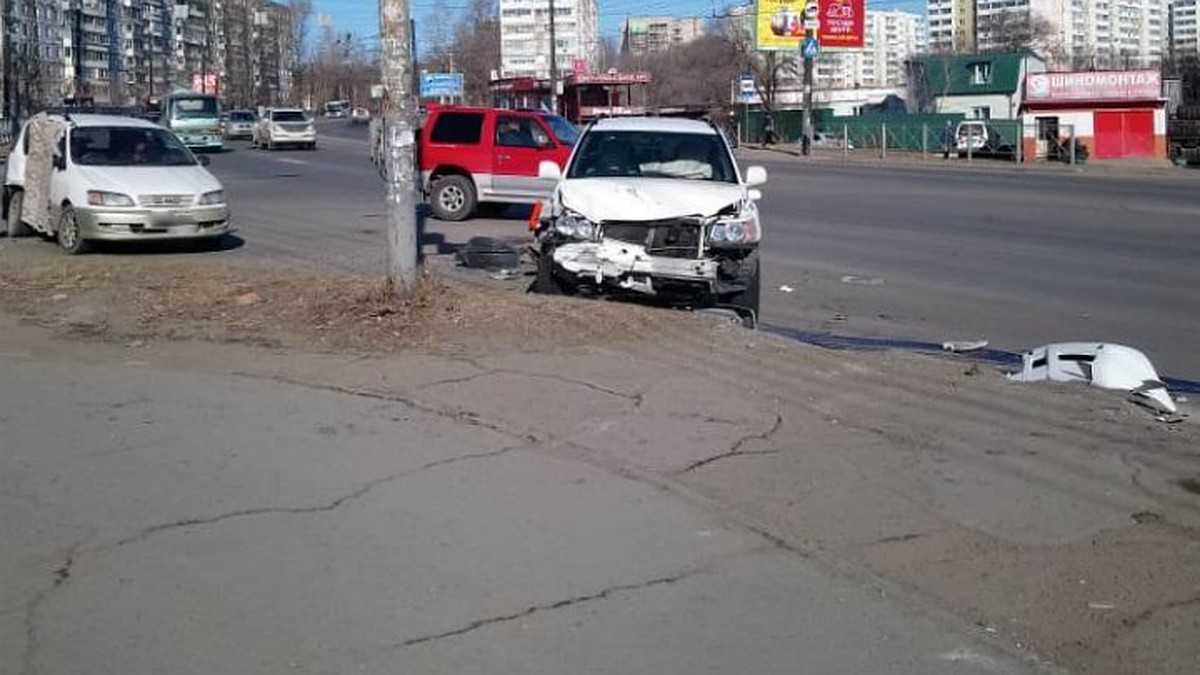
(628, 265)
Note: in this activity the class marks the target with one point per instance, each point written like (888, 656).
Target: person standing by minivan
(947, 139)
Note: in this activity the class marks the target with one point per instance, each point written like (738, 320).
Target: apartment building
(1184, 32)
(1116, 33)
(892, 38)
(32, 54)
(642, 35)
(525, 36)
(951, 25)
(1083, 33)
(122, 52)
(255, 42)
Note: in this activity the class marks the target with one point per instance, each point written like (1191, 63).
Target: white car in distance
(279, 127)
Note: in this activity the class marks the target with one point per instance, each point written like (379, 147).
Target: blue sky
(361, 17)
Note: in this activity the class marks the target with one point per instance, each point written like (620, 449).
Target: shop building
(1114, 114)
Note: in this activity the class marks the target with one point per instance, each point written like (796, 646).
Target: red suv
(470, 156)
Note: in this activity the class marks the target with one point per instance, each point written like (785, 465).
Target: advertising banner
(840, 25)
(441, 84)
(206, 83)
(1126, 85)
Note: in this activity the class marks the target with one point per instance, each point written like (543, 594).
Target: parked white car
(653, 206)
(110, 178)
(285, 126)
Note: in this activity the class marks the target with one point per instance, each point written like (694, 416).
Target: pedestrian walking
(947, 140)
(769, 135)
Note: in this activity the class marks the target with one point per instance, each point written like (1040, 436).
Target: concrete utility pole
(10, 101)
(553, 63)
(811, 11)
(399, 108)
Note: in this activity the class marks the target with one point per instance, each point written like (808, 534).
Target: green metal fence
(789, 124)
(881, 132)
(913, 133)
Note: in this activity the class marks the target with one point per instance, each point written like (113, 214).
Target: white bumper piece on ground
(628, 265)
(1106, 365)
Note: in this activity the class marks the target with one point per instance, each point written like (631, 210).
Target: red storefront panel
(1124, 133)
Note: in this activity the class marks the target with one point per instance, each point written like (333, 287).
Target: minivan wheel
(453, 198)
(70, 239)
(16, 203)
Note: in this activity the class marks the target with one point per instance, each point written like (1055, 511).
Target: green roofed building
(979, 86)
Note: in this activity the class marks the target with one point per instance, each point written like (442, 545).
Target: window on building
(983, 112)
(981, 73)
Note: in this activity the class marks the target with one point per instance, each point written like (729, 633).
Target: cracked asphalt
(204, 508)
(697, 499)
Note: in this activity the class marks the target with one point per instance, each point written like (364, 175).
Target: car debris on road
(1105, 365)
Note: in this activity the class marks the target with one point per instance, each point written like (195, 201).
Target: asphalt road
(1017, 258)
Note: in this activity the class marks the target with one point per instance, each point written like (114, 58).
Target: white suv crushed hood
(639, 199)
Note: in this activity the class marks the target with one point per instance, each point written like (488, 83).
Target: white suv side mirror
(549, 170)
(755, 175)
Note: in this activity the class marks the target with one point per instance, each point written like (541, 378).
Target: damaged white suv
(653, 207)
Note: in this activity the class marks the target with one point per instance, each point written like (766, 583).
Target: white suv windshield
(653, 154)
(288, 116)
(127, 146)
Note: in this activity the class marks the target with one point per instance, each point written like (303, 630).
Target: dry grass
(197, 299)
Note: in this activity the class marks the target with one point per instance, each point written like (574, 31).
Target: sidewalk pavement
(695, 499)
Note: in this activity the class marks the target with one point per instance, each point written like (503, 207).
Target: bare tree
(475, 49)
(609, 53)
(1015, 30)
(437, 38)
(771, 70)
(340, 69)
(697, 73)
(923, 96)
(300, 13)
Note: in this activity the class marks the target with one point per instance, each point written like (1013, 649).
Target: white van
(114, 179)
(983, 140)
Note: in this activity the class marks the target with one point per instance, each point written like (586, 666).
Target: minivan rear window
(458, 128)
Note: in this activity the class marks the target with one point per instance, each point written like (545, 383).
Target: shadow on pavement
(228, 242)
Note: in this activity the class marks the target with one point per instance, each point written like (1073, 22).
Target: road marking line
(289, 160)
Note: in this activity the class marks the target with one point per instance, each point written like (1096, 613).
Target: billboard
(1127, 85)
(206, 83)
(441, 84)
(840, 24)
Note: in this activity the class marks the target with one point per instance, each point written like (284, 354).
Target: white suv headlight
(100, 198)
(571, 224)
(740, 229)
(214, 197)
